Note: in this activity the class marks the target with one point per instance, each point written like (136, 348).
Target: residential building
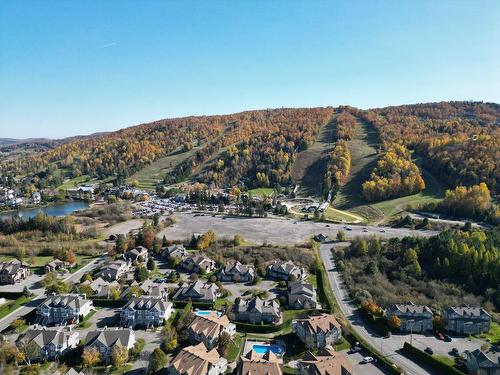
(199, 291)
(325, 362)
(208, 326)
(414, 318)
(302, 295)
(82, 192)
(480, 363)
(198, 360)
(256, 310)
(466, 320)
(50, 344)
(174, 251)
(13, 271)
(237, 273)
(318, 331)
(199, 264)
(286, 271)
(136, 255)
(145, 311)
(255, 364)
(114, 270)
(106, 339)
(56, 265)
(102, 288)
(64, 309)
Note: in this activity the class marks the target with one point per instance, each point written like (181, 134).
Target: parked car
(447, 338)
(367, 359)
(355, 349)
(429, 350)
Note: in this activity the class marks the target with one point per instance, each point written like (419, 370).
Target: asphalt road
(386, 346)
(274, 230)
(39, 294)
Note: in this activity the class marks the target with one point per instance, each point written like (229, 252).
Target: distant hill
(457, 140)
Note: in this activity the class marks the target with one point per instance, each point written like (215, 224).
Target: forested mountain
(457, 141)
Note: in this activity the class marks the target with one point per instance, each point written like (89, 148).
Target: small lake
(61, 209)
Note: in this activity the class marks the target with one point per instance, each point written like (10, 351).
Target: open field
(273, 230)
(434, 190)
(261, 191)
(152, 174)
(310, 165)
(363, 148)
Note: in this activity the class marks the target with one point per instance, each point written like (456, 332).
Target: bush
(419, 355)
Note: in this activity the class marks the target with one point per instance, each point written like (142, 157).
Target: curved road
(348, 308)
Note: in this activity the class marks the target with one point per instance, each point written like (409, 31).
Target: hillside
(406, 148)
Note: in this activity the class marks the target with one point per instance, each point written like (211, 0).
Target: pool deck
(249, 343)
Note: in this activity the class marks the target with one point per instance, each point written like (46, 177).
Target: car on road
(455, 352)
(365, 230)
(355, 349)
(429, 350)
(348, 228)
(382, 230)
(367, 359)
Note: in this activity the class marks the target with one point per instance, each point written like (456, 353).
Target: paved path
(274, 230)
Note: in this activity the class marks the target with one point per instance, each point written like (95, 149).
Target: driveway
(237, 290)
(388, 347)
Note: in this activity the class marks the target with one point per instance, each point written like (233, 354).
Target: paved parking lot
(32, 282)
(361, 368)
(237, 290)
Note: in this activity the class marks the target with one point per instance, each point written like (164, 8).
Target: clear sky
(78, 67)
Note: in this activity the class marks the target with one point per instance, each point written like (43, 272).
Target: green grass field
(42, 260)
(261, 191)
(77, 181)
(149, 176)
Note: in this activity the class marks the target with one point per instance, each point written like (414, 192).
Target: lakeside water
(61, 209)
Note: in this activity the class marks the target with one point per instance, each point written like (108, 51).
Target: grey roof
(43, 337)
(174, 251)
(110, 337)
(299, 287)
(75, 301)
(11, 267)
(287, 268)
(147, 303)
(237, 267)
(467, 311)
(410, 308)
(197, 290)
(258, 305)
(199, 260)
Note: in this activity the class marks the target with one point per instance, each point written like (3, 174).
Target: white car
(367, 359)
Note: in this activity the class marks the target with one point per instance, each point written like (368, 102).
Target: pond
(61, 209)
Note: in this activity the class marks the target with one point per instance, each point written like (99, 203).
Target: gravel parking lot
(273, 230)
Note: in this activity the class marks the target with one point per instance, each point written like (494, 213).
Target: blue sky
(78, 67)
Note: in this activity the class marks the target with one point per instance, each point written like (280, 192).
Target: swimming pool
(207, 313)
(263, 349)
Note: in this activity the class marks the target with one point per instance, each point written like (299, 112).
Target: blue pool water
(263, 349)
(206, 312)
